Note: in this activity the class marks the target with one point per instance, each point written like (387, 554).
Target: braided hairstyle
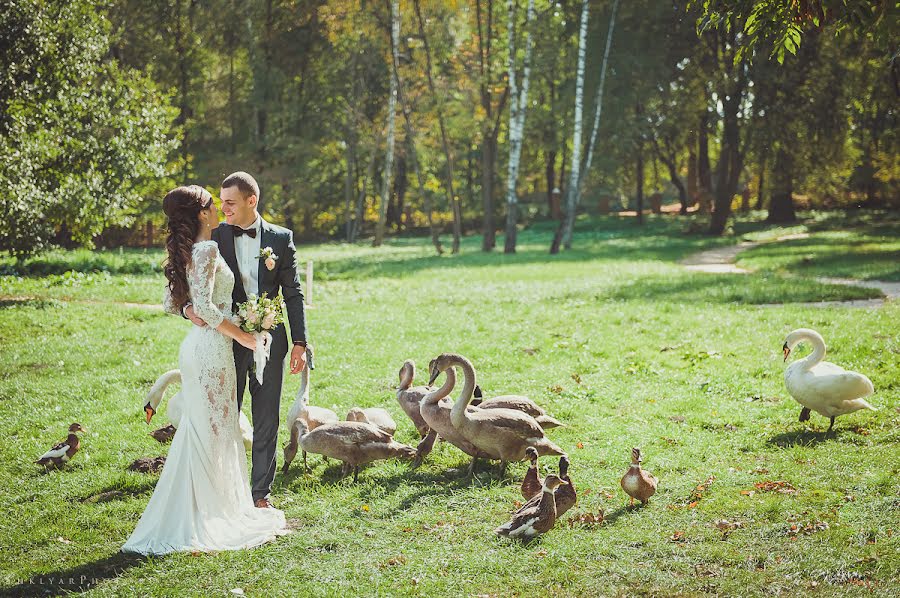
(182, 206)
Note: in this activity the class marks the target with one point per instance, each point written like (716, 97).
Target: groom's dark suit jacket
(284, 276)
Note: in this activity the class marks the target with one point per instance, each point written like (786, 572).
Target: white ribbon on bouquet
(261, 353)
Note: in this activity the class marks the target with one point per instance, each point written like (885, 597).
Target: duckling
(62, 452)
(637, 483)
(174, 410)
(148, 464)
(534, 518)
(354, 443)
(410, 397)
(820, 386)
(531, 484)
(376, 416)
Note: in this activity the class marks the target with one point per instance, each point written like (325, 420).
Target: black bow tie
(238, 231)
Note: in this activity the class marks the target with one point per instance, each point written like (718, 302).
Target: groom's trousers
(265, 406)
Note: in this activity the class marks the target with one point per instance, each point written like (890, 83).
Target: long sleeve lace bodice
(210, 282)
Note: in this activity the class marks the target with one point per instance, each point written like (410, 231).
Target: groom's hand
(189, 312)
(298, 359)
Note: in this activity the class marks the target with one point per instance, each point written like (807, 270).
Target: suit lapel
(226, 248)
(266, 239)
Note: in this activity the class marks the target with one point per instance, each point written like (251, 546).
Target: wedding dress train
(202, 500)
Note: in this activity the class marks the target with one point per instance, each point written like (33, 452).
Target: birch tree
(564, 233)
(392, 108)
(517, 109)
(598, 103)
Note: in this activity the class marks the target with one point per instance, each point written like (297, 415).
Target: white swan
(174, 408)
(820, 386)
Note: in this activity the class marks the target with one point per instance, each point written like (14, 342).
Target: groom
(240, 240)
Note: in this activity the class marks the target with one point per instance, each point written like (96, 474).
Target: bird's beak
(786, 350)
(434, 375)
(149, 412)
(563, 483)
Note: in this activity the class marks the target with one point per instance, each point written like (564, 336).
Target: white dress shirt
(246, 250)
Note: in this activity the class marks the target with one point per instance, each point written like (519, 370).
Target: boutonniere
(269, 255)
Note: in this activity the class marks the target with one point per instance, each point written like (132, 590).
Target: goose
(61, 452)
(536, 516)
(311, 415)
(354, 443)
(820, 386)
(174, 409)
(531, 483)
(637, 483)
(410, 397)
(435, 410)
(517, 402)
(503, 434)
(373, 415)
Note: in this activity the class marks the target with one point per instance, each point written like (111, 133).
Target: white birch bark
(574, 171)
(517, 110)
(392, 116)
(599, 100)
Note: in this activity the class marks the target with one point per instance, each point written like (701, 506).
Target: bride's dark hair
(182, 206)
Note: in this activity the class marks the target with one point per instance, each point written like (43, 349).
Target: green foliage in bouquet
(259, 314)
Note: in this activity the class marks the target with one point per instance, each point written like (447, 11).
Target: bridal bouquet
(258, 316)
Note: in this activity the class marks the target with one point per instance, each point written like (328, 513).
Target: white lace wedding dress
(202, 500)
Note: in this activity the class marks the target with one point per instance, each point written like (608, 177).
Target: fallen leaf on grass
(587, 519)
(556, 389)
(579, 445)
(540, 553)
(678, 536)
(529, 350)
(778, 486)
(63, 540)
(394, 561)
(238, 591)
(748, 492)
(678, 419)
(577, 378)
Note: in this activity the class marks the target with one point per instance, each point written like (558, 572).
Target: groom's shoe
(263, 503)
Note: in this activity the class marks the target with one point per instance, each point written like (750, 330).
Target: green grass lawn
(614, 338)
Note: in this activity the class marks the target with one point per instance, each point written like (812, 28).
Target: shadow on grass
(35, 302)
(78, 579)
(750, 289)
(802, 438)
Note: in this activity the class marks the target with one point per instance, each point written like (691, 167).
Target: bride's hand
(248, 340)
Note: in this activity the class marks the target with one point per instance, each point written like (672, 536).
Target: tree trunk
(760, 197)
(550, 172)
(348, 190)
(704, 171)
(517, 109)
(361, 197)
(781, 207)
(639, 180)
(598, 102)
(567, 226)
(692, 170)
(729, 166)
(392, 109)
(452, 200)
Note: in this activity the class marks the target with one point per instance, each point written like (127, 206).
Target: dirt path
(721, 261)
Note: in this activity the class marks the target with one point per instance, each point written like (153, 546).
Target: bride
(202, 500)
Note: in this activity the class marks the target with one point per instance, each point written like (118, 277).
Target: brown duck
(63, 451)
(637, 483)
(532, 484)
(565, 496)
(536, 516)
